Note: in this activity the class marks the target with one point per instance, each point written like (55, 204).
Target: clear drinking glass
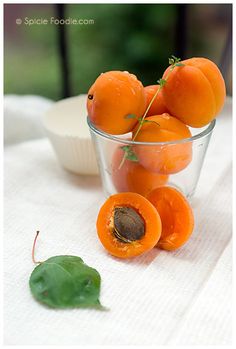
(176, 163)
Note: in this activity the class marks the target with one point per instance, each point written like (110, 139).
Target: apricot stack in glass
(190, 93)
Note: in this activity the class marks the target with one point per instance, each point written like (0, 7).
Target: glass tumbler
(140, 167)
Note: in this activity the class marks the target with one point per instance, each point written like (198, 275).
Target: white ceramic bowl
(66, 126)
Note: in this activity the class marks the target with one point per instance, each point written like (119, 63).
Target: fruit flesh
(176, 217)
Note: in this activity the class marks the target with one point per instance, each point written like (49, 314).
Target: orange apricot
(158, 106)
(176, 217)
(112, 97)
(163, 158)
(133, 177)
(128, 225)
(194, 93)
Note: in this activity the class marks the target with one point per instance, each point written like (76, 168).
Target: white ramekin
(66, 126)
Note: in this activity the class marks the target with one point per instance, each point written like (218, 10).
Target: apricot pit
(128, 224)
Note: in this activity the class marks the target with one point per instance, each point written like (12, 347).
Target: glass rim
(115, 138)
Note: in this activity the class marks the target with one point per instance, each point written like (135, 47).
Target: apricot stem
(33, 249)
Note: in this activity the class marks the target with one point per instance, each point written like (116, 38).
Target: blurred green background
(134, 37)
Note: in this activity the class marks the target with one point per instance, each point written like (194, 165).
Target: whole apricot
(163, 158)
(133, 177)
(112, 97)
(195, 92)
(158, 106)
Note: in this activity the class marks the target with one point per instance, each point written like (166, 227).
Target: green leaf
(175, 58)
(129, 153)
(152, 122)
(142, 121)
(162, 82)
(132, 157)
(66, 282)
(175, 62)
(130, 116)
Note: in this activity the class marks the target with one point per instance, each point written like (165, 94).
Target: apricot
(194, 93)
(112, 97)
(128, 225)
(133, 177)
(158, 106)
(176, 217)
(163, 158)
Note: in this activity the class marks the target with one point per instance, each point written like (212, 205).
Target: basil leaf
(66, 282)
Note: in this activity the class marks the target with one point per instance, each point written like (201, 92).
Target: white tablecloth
(181, 297)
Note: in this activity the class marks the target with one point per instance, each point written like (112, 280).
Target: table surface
(181, 297)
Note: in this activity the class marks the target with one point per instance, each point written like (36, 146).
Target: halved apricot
(112, 97)
(133, 177)
(176, 217)
(128, 225)
(163, 158)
